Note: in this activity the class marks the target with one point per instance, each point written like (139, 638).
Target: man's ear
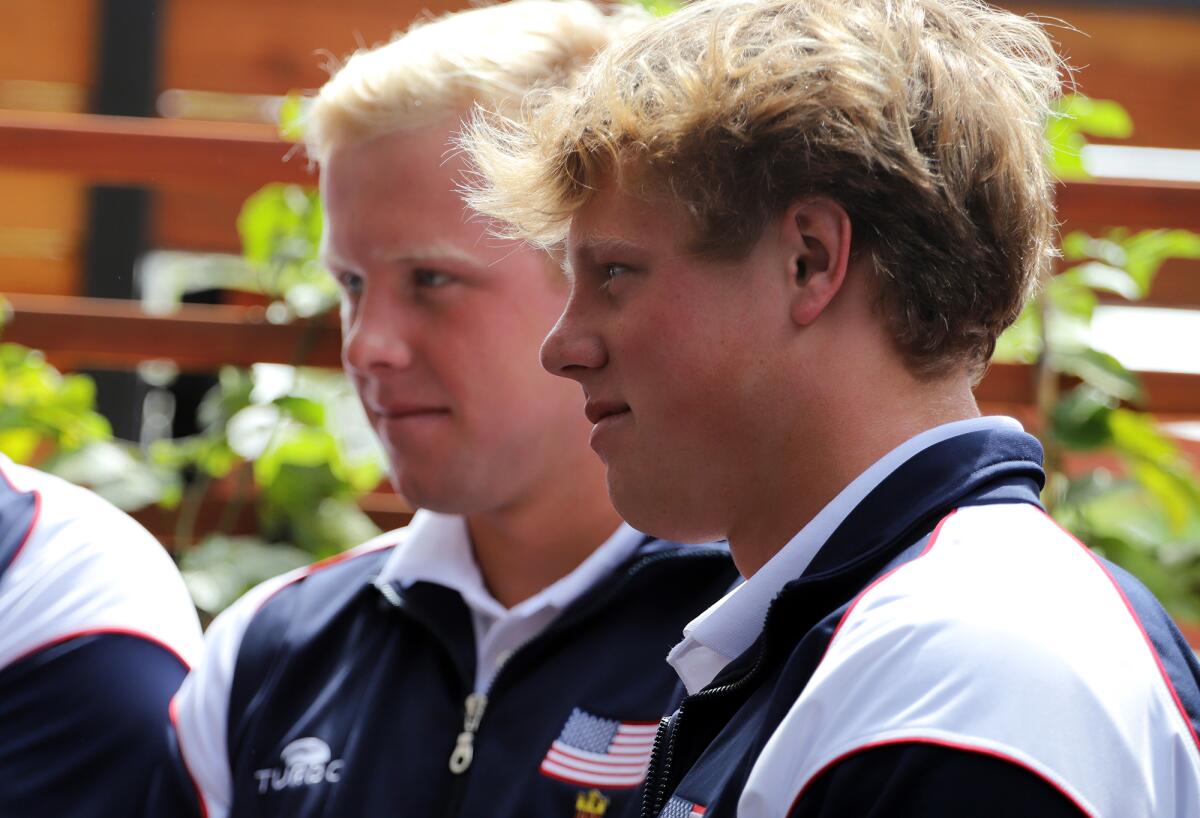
(816, 232)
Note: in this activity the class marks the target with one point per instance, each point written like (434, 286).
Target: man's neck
(528, 545)
(830, 457)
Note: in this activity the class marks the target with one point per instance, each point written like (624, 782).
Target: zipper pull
(464, 745)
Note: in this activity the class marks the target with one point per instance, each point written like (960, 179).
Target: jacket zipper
(475, 704)
(659, 771)
(464, 745)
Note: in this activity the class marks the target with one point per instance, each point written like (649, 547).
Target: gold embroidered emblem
(591, 804)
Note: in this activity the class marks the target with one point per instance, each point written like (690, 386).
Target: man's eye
(351, 283)
(611, 272)
(430, 278)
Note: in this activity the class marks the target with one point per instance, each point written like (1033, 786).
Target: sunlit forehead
(435, 252)
(591, 247)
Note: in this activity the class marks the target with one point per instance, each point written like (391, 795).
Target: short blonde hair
(492, 56)
(923, 118)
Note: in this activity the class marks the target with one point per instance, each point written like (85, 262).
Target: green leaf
(20, 444)
(1100, 370)
(1173, 494)
(1069, 295)
(1096, 117)
(1146, 251)
(1074, 116)
(364, 476)
(216, 459)
(1077, 246)
(116, 471)
(280, 220)
(1021, 342)
(291, 117)
(1066, 156)
(1080, 420)
(220, 569)
(304, 410)
(1135, 434)
(332, 526)
(659, 8)
(259, 222)
(231, 395)
(298, 448)
(1096, 275)
(251, 430)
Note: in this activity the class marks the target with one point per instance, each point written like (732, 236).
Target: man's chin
(438, 490)
(658, 513)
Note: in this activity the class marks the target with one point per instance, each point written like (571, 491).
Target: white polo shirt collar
(729, 627)
(436, 548)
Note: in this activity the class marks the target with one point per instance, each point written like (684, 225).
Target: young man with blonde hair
(794, 231)
(503, 654)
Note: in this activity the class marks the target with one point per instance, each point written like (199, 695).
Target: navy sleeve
(82, 725)
(903, 780)
(171, 792)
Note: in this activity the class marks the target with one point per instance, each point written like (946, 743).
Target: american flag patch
(596, 752)
(681, 808)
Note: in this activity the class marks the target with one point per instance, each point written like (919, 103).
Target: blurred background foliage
(288, 441)
(1114, 478)
(292, 442)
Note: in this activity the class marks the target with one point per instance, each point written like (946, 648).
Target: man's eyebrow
(590, 245)
(434, 251)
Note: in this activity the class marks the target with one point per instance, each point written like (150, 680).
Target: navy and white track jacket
(96, 634)
(950, 651)
(350, 696)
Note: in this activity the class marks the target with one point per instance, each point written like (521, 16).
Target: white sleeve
(977, 646)
(88, 568)
(200, 710)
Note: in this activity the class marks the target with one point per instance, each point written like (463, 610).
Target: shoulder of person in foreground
(1006, 670)
(97, 632)
(194, 778)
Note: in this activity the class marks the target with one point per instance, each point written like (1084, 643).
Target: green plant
(280, 226)
(49, 420)
(43, 412)
(292, 443)
(1142, 508)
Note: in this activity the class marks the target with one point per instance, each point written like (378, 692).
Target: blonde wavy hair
(490, 56)
(923, 118)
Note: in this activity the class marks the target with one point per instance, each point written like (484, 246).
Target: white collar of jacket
(437, 548)
(729, 627)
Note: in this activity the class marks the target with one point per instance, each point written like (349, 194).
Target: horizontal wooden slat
(147, 151)
(208, 170)
(1102, 203)
(41, 232)
(48, 42)
(1171, 395)
(1176, 285)
(216, 155)
(107, 332)
(274, 46)
(198, 220)
(226, 160)
(1146, 58)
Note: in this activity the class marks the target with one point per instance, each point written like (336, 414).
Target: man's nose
(572, 348)
(376, 335)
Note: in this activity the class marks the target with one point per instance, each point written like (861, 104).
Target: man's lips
(597, 410)
(400, 411)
